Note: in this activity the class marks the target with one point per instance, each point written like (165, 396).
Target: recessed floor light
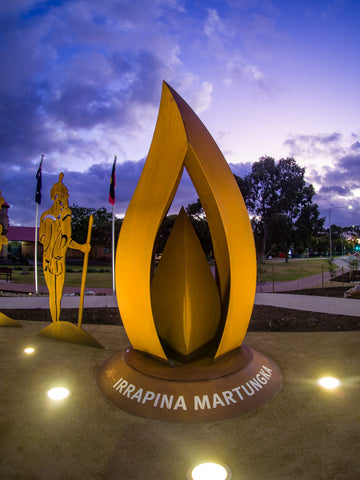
(58, 393)
(210, 471)
(29, 350)
(329, 382)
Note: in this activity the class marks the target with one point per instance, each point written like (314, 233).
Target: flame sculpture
(179, 318)
(181, 140)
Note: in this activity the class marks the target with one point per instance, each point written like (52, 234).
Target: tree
(309, 224)
(164, 232)
(195, 210)
(101, 231)
(197, 217)
(280, 203)
(201, 226)
(79, 222)
(101, 234)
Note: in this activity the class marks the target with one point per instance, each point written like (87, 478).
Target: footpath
(103, 297)
(313, 281)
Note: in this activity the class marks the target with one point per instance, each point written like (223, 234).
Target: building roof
(21, 234)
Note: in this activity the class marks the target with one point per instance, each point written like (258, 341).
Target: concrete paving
(302, 433)
(34, 301)
(341, 306)
(311, 303)
(42, 289)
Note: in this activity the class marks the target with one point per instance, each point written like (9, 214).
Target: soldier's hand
(86, 247)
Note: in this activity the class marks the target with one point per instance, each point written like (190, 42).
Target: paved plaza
(302, 433)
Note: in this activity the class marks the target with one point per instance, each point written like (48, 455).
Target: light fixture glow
(29, 350)
(58, 393)
(329, 382)
(210, 471)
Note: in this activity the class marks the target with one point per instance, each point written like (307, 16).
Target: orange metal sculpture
(55, 235)
(181, 140)
(186, 330)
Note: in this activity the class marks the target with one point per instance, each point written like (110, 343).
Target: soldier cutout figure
(55, 235)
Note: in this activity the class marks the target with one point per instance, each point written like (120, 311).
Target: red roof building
(21, 234)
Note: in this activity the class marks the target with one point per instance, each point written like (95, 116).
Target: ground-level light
(29, 350)
(58, 393)
(329, 382)
(209, 471)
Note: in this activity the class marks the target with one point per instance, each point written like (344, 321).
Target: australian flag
(38, 182)
(112, 184)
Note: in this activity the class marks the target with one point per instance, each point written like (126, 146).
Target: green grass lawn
(96, 276)
(293, 270)
(101, 276)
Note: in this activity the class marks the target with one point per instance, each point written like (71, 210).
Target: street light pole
(330, 233)
(332, 208)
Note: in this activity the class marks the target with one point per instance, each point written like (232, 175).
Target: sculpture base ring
(198, 392)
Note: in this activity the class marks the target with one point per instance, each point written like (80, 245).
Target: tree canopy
(101, 231)
(280, 203)
(278, 199)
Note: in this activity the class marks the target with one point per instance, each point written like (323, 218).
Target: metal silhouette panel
(55, 235)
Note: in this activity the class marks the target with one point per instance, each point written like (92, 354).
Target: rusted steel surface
(240, 383)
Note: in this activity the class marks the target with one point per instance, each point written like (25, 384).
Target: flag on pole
(38, 182)
(112, 184)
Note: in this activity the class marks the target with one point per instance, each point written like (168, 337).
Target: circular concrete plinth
(201, 391)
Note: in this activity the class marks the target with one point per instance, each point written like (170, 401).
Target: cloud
(253, 72)
(213, 23)
(203, 99)
(197, 93)
(240, 169)
(81, 78)
(81, 81)
(312, 145)
(350, 164)
(90, 188)
(332, 164)
(335, 189)
(237, 69)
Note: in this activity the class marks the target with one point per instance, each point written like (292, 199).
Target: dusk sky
(81, 81)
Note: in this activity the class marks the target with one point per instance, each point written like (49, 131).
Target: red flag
(112, 184)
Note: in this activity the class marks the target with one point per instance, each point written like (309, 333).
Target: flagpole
(112, 201)
(36, 248)
(37, 201)
(113, 248)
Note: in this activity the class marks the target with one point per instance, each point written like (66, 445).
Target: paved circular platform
(302, 433)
